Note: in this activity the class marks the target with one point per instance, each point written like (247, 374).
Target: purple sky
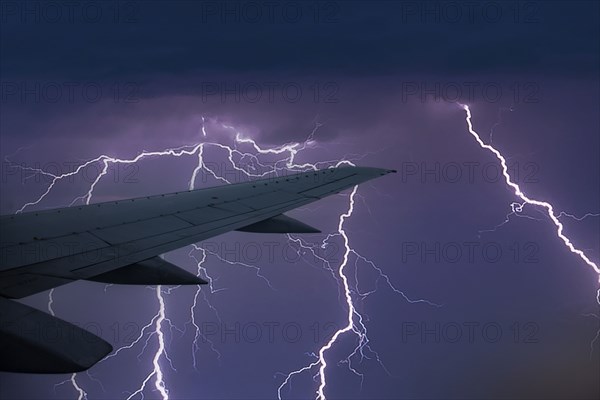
(382, 79)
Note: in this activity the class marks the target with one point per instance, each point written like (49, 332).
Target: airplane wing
(120, 241)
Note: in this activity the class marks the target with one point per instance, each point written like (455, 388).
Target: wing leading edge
(120, 241)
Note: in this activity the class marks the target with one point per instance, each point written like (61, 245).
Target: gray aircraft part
(120, 241)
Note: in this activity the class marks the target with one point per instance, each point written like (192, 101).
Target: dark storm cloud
(155, 39)
(250, 62)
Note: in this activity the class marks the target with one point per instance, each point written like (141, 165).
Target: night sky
(517, 310)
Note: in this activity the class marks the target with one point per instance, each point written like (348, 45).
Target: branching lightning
(348, 285)
(354, 321)
(517, 208)
(157, 372)
(254, 168)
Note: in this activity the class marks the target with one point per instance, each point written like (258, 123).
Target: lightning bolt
(198, 150)
(357, 327)
(157, 372)
(159, 318)
(349, 288)
(351, 309)
(517, 208)
(286, 161)
(354, 321)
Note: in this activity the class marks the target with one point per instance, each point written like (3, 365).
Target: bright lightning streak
(354, 320)
(358, 327)
(197, 331)
(160, 317)
(349, 302)
(197, 149)
(517, 208)
(289, 153)
(81, 394)
(520, 194)
(157, 373)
